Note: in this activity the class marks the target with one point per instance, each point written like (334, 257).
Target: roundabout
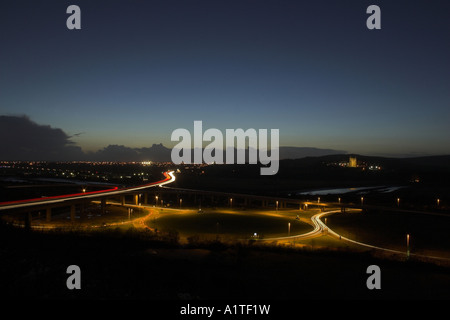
(230, 224)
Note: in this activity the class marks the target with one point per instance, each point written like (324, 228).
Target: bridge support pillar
(136, 199)
(145, 198)
(72, 213)
(29, 220)
(82, 209)
(48, 214)
(103, 206)
(122, 200)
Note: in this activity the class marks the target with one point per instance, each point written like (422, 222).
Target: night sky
(137, 70)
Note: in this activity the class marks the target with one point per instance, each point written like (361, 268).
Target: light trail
(169, 177)
(335, 234)
(319, 227)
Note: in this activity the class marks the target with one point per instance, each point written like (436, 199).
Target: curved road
(333, 233)
(320, 227)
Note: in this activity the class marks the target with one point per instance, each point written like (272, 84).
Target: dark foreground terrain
(135, 265)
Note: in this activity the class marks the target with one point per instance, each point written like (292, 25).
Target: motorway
(169, 177)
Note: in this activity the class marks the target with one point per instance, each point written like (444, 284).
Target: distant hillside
(294, 152)
(159, 153)
(302, 152)
(423, 165)
(434, 161)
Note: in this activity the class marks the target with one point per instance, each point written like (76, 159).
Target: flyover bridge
(239, 199)
(28, 206)
(245, 200)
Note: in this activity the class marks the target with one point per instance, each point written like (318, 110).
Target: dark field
(429, 234)
(231, 225)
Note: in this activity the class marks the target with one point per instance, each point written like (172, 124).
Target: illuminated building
(352, 162)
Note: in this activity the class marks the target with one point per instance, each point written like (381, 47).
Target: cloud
(23, 139)
(115, 153)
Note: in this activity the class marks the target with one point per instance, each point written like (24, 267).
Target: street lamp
(362, 200)
(276, 205)
(398, 202)
(407, 245)
(318, 199)
(181, 201)
(231, 202)
(437, 201)
(156, 201)
(289, 228)
(339, 200)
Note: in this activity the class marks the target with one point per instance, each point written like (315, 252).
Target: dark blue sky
(140, 69)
